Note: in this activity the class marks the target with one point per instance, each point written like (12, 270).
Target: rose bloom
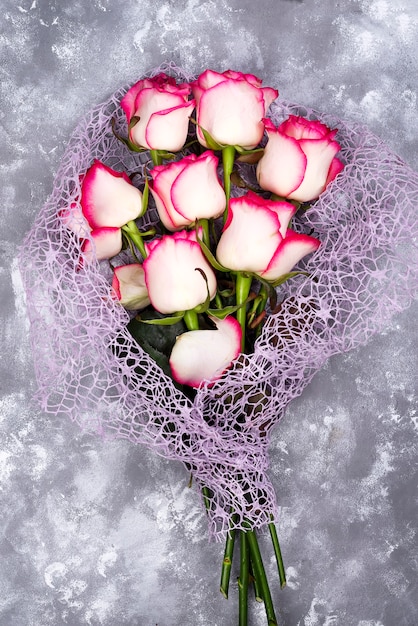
(200, 355)
(108, 201)
(187, 190)
(231, 107)
(299, 159)
(256, 238)
(172, 274)
(163, 110)
(108, 198)
(129, 286)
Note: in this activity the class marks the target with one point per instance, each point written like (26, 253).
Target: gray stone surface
(107, 534)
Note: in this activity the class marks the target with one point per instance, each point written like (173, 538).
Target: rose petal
(163, 179)
(335, 168)
(284, 211)
(204, 355)
(105, 243)
(197, 193)
(167, 130)
(319, 154)
(292, 249)
(73, 218)
(302, 128)
(282, 167)
(129, 285)
(108, 198)
(250, 236)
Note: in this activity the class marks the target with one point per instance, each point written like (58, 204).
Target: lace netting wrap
(89, 367)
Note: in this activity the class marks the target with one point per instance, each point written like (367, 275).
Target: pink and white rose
(299, 159)
(187, 190)
(204, 355)
(129, 286)
(175, 271)
(256, 238)
(231, 107)
(163, 109)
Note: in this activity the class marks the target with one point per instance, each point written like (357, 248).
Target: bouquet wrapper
(89, 367)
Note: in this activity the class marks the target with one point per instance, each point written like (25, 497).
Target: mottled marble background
(109, 534)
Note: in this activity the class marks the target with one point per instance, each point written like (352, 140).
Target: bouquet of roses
(203, 282)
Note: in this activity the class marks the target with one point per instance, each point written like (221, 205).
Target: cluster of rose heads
(206, 235)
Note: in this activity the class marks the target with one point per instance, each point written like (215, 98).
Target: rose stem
(131, 230)
(156, 157)
(257, 590)
(228, 157)
(227, 563)
(260, 575)
(243, 286)
(191, 320)
(227, 560)
(243, 579)
(204, 223)
(206, 497)
(278, 553)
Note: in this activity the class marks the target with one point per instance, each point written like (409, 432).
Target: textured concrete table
(109, 534)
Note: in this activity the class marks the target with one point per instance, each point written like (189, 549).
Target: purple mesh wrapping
(88, 366)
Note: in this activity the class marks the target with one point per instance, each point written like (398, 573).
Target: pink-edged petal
(269, 95)
(232, 113)
(128, 101)
(108, 197)
(197, 192)
(73, 218)
(302, 128)
(163, 179)
(167, 130)
(250, 236)
(284, 211)
(282, 167)
(319, 154)
(210, 78)
(150, 101)
(129, 286)
(292, 249)
(335, 168)
(204, 355)
(104, 243)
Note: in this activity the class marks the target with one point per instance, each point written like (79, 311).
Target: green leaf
(163, 321)
(145, 196)
(285, 277)
(158, 336)
(249, 156)
(201, 308)
(124, 140)
(208, 254)
(212, 144)
(228, 310)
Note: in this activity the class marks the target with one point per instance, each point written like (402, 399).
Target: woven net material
(89, 367)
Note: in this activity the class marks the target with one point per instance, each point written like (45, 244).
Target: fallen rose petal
(204, 355)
